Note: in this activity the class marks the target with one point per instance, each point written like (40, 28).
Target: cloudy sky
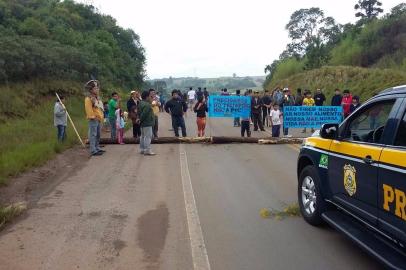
(212, 38)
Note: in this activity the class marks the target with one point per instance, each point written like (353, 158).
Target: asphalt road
(189, 207)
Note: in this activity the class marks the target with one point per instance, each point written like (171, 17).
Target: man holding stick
(94, 114)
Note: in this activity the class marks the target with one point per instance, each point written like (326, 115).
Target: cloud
(211, 38)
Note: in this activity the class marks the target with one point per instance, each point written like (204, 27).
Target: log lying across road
(210, 140)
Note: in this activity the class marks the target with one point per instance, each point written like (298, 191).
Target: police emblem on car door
(350, 183)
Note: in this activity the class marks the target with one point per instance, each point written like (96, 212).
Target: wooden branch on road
(212, 140)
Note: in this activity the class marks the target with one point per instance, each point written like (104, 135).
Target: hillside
(361, 81)
(50, 46)
(42, 39)
(329, 55)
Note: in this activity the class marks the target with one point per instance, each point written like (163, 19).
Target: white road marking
(199, 252)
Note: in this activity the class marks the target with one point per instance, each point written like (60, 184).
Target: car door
(392, 184)
(354, 156)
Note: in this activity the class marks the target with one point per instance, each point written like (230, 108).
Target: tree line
(54, 39)
(318, 40)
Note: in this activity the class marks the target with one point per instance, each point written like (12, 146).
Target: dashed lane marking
(199, 252)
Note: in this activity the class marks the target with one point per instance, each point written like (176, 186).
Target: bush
(288, 68)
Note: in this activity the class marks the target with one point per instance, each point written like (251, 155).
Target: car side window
(401, 135)
(368, 124)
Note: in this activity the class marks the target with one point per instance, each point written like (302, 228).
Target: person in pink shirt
(346, 103)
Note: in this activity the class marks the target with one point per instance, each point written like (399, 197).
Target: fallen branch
(212, 140)
(281, 141)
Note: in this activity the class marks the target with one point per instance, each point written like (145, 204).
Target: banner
(229, 106)
(311, 116)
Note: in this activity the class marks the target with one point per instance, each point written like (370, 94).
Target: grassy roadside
(7, 213)
(31, 141)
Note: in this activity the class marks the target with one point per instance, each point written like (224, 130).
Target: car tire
(311, 201)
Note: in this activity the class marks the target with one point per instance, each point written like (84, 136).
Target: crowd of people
(267, 108)
(143, 110)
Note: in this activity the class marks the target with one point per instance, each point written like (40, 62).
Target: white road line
(199, 252)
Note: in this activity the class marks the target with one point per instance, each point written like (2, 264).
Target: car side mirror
(329, 131)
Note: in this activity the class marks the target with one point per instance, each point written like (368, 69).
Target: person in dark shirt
(199, 92)
(206, 94)
(319, 98)
(337, 98)
(299, 97)
(177, 107)
(237, 122)
(200, 109)
(256, 109)
(266, 107)
(355, 104)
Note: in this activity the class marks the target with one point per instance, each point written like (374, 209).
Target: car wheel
(311, 201)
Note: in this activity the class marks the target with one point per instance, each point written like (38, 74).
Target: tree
(368, 9)
(398, 10)
(271, 69)
(306, 26)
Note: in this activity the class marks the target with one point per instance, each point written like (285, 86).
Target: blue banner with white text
(311, 116)
(229, 106)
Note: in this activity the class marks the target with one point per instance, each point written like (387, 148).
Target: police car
(353, 177)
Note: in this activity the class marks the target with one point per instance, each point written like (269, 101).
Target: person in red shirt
(346, 102)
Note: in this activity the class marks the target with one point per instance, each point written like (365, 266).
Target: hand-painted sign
(311, 116)
(229, 106)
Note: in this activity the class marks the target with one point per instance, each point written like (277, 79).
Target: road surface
(189, 207)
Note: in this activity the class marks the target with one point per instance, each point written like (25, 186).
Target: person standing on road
(120, 124)
(346, 102)
(191, 98)
(277, 96)
(132, 101)
(355, 104)
(299, 97)
(337, 98)
(206, 94)
(147, 120)
(60, 119)
(133, 115)
(256, 109)
(199, 92)
(176, 107)
(308, 101)
(132, 105)
(225, 92)
(319, 97)
(276, 121)
(266, 107)
(113, 105)
(94, 113)
(245, 123)
(237, 119)
(155, 107)
(200, 109)
(287, 100)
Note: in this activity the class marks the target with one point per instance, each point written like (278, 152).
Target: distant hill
(212, 84)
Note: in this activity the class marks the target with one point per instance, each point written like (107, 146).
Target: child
(245, 126)
(120, 125)
(275, 116)
(308, 101)
(355, 104)
(200, 109)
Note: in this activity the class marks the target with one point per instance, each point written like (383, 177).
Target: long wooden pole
(70, 120)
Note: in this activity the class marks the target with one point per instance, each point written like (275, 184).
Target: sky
(215, 38)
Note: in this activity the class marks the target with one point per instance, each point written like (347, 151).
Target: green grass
(360, 81)
(30, 142)
(7, 213)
